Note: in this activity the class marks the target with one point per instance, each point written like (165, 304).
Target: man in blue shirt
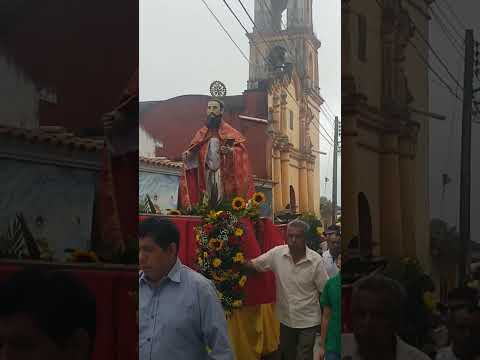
(181, 317)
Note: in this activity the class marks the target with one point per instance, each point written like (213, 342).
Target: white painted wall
(19, 104)
(147, 143)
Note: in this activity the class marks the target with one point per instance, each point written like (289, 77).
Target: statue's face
(213, 109)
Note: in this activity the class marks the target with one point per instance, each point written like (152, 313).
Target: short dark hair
(162, 231)
(393, 292)
(333, 229)
(57, 302)
(463, 294)
(220, 102)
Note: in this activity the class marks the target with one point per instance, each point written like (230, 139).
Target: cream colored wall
(367, 75)
(293, 179)
(369, 179)
(19, 97)
(315, 137)
(293, 135)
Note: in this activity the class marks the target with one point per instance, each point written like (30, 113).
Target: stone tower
(284, 61)
(282, 40)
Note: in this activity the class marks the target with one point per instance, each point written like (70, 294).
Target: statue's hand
(226, 150)
(186, 155)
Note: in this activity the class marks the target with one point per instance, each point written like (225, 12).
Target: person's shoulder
(406, 351)
(313, 254)
(195, 280)
(445, 353)
(279, 250)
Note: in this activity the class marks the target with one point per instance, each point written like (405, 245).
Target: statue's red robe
(236, 173)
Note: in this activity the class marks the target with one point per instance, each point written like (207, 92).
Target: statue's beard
(213, 121)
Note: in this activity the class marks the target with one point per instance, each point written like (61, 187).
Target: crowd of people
(181, 316)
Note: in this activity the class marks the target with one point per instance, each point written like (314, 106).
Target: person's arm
(214, 324)
(321, 276)
(261, 263)
(327, 313)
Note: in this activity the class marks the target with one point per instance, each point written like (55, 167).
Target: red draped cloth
(235, 168)
(116, 293)
(260, 288)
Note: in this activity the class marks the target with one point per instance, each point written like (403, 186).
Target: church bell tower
(283, 40)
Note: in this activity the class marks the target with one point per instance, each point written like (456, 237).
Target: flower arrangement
(80, 256)
(219, 254)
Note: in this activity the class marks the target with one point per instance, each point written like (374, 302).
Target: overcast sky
(183, 49)
(445, 136)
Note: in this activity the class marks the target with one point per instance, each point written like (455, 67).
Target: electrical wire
(226, 31)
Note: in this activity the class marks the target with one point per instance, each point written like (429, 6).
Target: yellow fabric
(254, 331)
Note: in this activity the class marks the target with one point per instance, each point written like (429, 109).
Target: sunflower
(216, 262)
(242, 281)
(239, 258)
(80, 256)
(237, 303)
(258, 198)
(215, 244)
(238, 232)
(319, 230)
(238, 203)
(212, 215)
(218, 278)
(200, 261)
(174, 212)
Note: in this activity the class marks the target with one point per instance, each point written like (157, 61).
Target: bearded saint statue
(216, 163)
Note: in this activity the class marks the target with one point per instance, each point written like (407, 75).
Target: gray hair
(300, 224)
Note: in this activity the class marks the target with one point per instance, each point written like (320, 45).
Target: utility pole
(334, 185)
(465, 165)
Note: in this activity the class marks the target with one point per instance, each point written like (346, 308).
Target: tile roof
(53, 135)
(161, 161)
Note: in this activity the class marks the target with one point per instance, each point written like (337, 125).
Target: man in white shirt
(377, 306)
(334, 240)
(300, 276)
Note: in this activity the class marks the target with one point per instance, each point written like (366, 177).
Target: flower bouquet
(219, 254)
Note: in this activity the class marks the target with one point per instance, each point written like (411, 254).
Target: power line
(425, 61)
(226, 31)
(434, 71)
(448, 35)
(435, 53)
(235, 15)
(460, 36)
(264, 58)
(462, 25)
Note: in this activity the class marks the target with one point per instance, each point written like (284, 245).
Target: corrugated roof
(53, 135)
(161, 161)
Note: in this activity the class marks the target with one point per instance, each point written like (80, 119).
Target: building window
(362, 37)
(284, 20)
(291, 120)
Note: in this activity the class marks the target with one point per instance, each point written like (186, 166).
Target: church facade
(385, 120)
(284, 56)
(278, 113)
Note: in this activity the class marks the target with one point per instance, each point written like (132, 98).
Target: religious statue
(216, 163)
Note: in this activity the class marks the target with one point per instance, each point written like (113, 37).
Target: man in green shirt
(331, 299)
